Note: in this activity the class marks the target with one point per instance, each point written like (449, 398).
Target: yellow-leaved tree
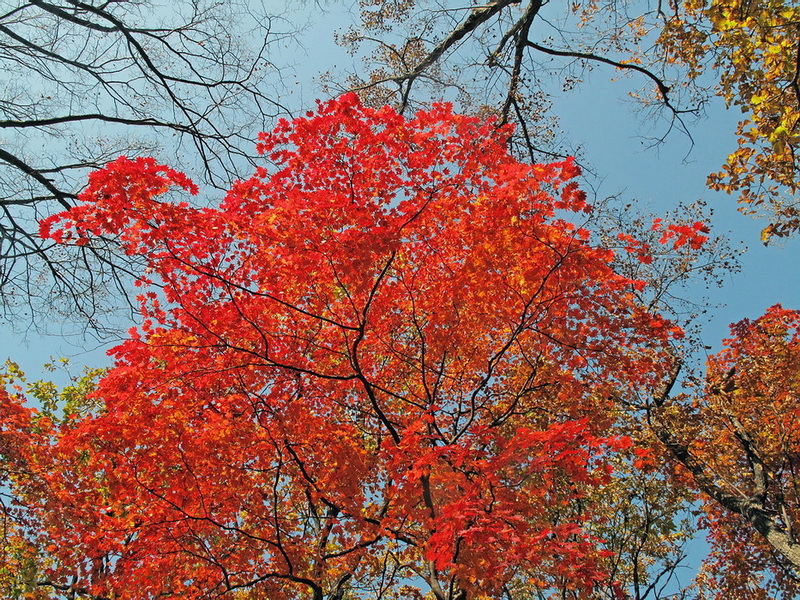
(754, 47)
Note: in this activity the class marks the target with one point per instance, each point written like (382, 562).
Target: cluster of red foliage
(384, 361)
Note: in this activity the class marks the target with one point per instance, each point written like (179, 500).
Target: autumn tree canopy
(389, 364)
(398, 362)
(503, 57)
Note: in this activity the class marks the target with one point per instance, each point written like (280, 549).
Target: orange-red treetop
(744, 434)
(387, 360)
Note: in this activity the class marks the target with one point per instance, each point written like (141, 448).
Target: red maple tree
(388, 363)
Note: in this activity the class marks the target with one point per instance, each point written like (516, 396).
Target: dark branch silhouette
(90, 80)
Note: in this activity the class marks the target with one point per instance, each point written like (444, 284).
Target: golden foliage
(753, 48)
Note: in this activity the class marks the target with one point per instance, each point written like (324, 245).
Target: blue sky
(606, 123)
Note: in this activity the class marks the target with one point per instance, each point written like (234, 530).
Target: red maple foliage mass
(388, 362)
